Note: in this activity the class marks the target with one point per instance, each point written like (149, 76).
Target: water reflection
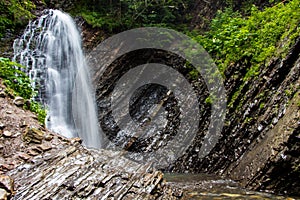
(205, 186)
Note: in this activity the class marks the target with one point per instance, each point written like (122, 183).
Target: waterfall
(50, 48)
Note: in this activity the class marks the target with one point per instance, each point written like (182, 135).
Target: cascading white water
(50, 48)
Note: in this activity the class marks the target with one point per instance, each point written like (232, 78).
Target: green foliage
(253, 40)
(208, 100)
(233, 37)
(15, 13)
(19, 84)
(262, 105)
(116, 16)
(38, 109)
(15, 79)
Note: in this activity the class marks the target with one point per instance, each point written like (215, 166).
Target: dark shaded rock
(2, 94)
(251, 144)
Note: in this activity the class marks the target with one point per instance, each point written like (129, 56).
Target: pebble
(48, 137)
(7, 167)
(76, 140)
(19, 101)
(37, 149)
(45, 147)
(17, 134)
(9, 112)
(32, 152)
(24, 156)
(24, 124)
(7, 134)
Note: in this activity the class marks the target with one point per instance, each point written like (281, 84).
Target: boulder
(33, 135)
(19, 101)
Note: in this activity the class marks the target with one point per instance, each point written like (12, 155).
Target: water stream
(50, 48)
(211, 187)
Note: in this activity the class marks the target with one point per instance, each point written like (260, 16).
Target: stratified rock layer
(259, 143)
(77, 173)
(38, 164)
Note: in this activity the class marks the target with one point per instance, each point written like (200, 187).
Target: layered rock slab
(45, 165)
(78, 173)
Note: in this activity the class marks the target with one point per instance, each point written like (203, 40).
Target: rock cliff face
(260, 138)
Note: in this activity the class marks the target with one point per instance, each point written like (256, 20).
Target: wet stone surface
(78, 173)
(38, 164)
(210, 187)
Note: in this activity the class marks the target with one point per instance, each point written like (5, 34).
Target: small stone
(17, 134)
(24, 124)
(19, 101)
(3, 194)
(9, 112)
(33, 152)
(48, 137)
(33, 135)
(7, 134)
(76, 140)
(37, 149)
(45, 147)
(24, 156)
(7, 166)
(7, 183)
(1, 146)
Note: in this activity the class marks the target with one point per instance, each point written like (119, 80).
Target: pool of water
(204, 186)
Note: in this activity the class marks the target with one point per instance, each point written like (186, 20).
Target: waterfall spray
(50, 48)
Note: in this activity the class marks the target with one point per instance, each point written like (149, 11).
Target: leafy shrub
(15, 79)
(19, 84)
(254, 39)
(233, 37)
(116, 16)
(14, 13)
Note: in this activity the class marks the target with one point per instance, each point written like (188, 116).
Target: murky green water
(203, 186)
